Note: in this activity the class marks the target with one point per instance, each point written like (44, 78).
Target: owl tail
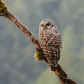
(53, 67)
(56, 64)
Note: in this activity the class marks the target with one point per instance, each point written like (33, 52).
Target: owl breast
(51, 42)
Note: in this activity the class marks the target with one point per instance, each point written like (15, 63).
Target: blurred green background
(17, 62)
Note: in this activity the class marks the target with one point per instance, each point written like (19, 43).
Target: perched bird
(51, 42)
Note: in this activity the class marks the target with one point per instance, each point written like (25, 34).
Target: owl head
(46, 24)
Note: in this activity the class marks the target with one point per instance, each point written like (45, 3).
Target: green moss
(3, 8)
(38, 56)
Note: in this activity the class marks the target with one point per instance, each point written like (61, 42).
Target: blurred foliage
(17, 65)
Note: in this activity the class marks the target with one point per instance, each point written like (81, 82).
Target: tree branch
(23, 29)
(39, 53)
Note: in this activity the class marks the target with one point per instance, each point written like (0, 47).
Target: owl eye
(42, 25)
(48, 24)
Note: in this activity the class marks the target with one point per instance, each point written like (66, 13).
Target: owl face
(46, 24)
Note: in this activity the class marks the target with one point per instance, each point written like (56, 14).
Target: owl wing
(54, 49)
(51, 42)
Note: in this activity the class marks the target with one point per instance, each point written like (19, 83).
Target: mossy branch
(7, 14)
(3, 8)
(39, 54)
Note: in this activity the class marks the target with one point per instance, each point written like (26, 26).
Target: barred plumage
(50, 41)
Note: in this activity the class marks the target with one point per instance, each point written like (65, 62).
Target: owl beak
(44, 27)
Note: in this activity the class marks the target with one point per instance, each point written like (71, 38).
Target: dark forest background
(17, 62)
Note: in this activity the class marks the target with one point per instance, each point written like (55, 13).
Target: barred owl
(51, 42)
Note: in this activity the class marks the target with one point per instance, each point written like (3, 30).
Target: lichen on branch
(39, 56)
(3, 8)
